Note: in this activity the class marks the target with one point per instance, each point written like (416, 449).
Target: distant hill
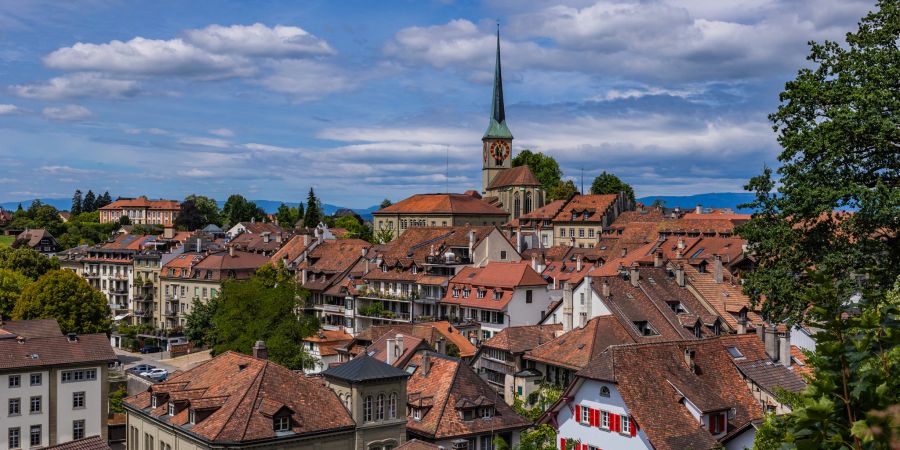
(712, 200)
(62, 204)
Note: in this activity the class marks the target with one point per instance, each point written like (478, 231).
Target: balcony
(118, 307)
(387, 296)
(387, 315)
(170, 313)
(140, 313)
(118, 290)
(330, 308)
(119, 276)
(443, 260)
(92, 275)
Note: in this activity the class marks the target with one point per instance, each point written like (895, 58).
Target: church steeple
(497, 128)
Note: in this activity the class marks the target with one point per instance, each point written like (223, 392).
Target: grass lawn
(6, 241)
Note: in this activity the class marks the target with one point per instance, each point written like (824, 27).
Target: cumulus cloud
(259, 40)
(304, 79)
(195, 173)
(76, 86)
(206, 142)
(6, 108)
(67, 112)
(223, 132)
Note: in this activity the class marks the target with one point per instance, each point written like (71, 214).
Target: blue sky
(368, 100)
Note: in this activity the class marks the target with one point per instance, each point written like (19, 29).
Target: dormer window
(499, 294)
(455, 293)
(415, 270)
(281, 423)
(698, 330)
(192, 416)
(171, 408)
(479, 293)
(465, 293)
(153, 403)
(417, 414)
(487, 412)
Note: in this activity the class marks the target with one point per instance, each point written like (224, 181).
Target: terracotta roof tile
(55, 351)
(595, 205)
(442, 204)
(520, 339)
(516, 176)
(573, 350)
(88, 443)
(143, 202)
(496, 278)
(31, 328)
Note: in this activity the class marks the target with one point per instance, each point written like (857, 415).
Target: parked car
(141, 368)
(156, 374)
(151, 349)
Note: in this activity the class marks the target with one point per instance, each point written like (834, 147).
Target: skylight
(735, 353)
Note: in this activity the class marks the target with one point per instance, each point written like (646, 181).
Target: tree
(544, 167)
(12, 284)
(607, 183)
(286, 216)
(658, 203)
(199, 322)
(207, 209)
(189, 217)
(313, 212)
(385, 203)
(355, 228)
(75, 209)
(27, 262)
(835, 211)
(103, 200)
(89, 202)
(68, 298)
(238, 209)
(382, 236)
(264, 308)
(562, 191)
(115, 400)
(124, 220)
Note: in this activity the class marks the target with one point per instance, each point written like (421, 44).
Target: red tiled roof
(546, 212)
(520, 339)
(88, 443)
(243, 392)
(143, 202)
(335, 255)
(595, 204)
(55, 351)
(444, 383)
(516, 176)
(292, 249)
(502, 277)
(31, 328)
(575, 349)
(726, 299)
(415, 444)
(429, 331)
(442, 204)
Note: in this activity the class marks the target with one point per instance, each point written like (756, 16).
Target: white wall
(742, 441)
(93, 405)
(25, 420)
(802, 340)
(587, 393)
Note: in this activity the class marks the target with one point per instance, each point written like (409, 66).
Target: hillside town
(515, 316)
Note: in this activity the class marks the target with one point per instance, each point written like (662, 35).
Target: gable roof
(429, 331)
(575, 349)
(519, 339)
(516, 176)
(364, 368)
(143, 202)
(595, 204)
(497, 277)
(459, 204)
(34, 328)
(243, 393)
(55, 351)
(88, 443)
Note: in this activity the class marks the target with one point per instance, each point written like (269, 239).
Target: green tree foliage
(27, 262)
(355, 228)
(562, 191)
(75, 209)
(313, 210)
(838, 127)
(542, 436)
(85, 229)
(66, 297)
(124, 220)
(382, 236)
(264, 308)
(544, 167)
(103, 200)
(39, 215)
(854, 399)
(12, 284)
(385, 203)
(89, 204)
(197, 211)
(607, 183)
(115, 400)
(287, 216)
(198, 323)
(238, 209)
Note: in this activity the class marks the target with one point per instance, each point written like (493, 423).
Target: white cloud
(195, 173)
(6, 108)
(65, 170)
(206, 142)
(629, 93)
(67, 112)
(305, 80)
(153, 131)
(433, 135)
(142, 57)
(76, 86)
(224, 132)
(259, 40)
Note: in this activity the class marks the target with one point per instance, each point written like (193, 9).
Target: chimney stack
(534, 262)
(265, 237)
(771, 342)
(698, 209)
(426, 364)
(658, 259)
(624, 252)
(231, 250)
(689, 360)
(680, 245)
(168, 232)
(717, 269)
(578, 263)
(278, 238)
(604, 288)
(390, 349)
(260, 351)
(742, 326)
(305, 239)
(784, 351)
(634, 275)
(679, 275)
(567, 306)
(400, 347)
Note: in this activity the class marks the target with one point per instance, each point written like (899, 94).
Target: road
(130, 360)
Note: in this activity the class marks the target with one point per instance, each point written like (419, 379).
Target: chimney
(253, 220)
(689, 360)
(541, 263)
(472, 244)
(260, 351)
(771, 342)
(742, 326)
(578, 263)
(634, 275)
(265, 237)
(278, 238)
(534, 262)
(604, 288)
(679, 275)
(72, 337)
(426, 364)
(784, 351)
(168, 232)
(400, 347)
(679, 254)
(567, 306)
(680, 245)
(519, 240)
(698, 209)
(658, 259)
(717, 269)
(305, 240)
(390, 349)
(198, 245)
(231, 250)
(624, 252)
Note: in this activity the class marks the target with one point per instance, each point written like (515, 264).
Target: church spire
(497, 128)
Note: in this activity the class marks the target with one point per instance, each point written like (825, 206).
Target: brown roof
(34, 236)
(429, 331)
(292, 249)
(261, 227)
(415, 444)
(594, 204)
(143, 202)
(244, 392)
(265, 242)
(444, 383)
(329, 340)
(654, 380)
(516, 176)
(726, 299)
(576, 348)
(88, 443)
(520, 339)
(416, 244)
(442, 204)
(546, 212)
(496, 277)
(55, 351)
(31, 328)
(378, 349)
(335, 255)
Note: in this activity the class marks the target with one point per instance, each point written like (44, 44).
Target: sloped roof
(364, 368)
(88, 443)
(34, 236)
(516, 176)
(595, 204)
(143, 202)
(55, 351)
(243, 390)
(579, 346)
(430, 331)
(335, 255)
(519, 339)
(35, 328)
(442, 204)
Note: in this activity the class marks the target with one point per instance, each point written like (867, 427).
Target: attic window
(676, 307)
(499, 294)
(415, 270)
(153, 403)
(171, 408)
(604, 391)
(411, 369)
(192, 416)
(735, 353)
(281, 423)
(479, 293)
(487, 412)
(644, 328)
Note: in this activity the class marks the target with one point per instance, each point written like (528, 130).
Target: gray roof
(771, 376)
(364, 368)
(212, 228)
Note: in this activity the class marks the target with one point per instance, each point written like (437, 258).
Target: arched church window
(527, 202)
(517, 205)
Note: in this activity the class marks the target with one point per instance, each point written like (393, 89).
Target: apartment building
(53, 388)
(141, 210)
(500, 359)
(109, 268)
(438, 210)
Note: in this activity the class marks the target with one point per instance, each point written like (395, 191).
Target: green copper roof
(497, 128)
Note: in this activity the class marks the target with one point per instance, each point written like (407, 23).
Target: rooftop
(364, 368)
(442, 204)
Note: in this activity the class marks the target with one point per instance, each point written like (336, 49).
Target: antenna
(447, 170)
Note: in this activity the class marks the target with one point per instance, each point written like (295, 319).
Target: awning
(120, 317)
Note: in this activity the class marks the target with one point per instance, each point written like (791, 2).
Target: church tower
(497, 141)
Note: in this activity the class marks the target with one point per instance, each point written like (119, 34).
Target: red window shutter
(593, 417)
(578, 413)
(721, 422)
(618, 421)
(632, 426)
(562, 443)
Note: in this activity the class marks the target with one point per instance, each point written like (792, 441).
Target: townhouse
(54, 387)
(576, 222)
(441, 336)
(39, 240)
(109, 268)
(437, 210)
(500, 359)
(321, 273)
(141, 210)
(322, 347)
(253, 227)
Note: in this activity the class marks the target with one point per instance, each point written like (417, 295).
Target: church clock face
(499, 151)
